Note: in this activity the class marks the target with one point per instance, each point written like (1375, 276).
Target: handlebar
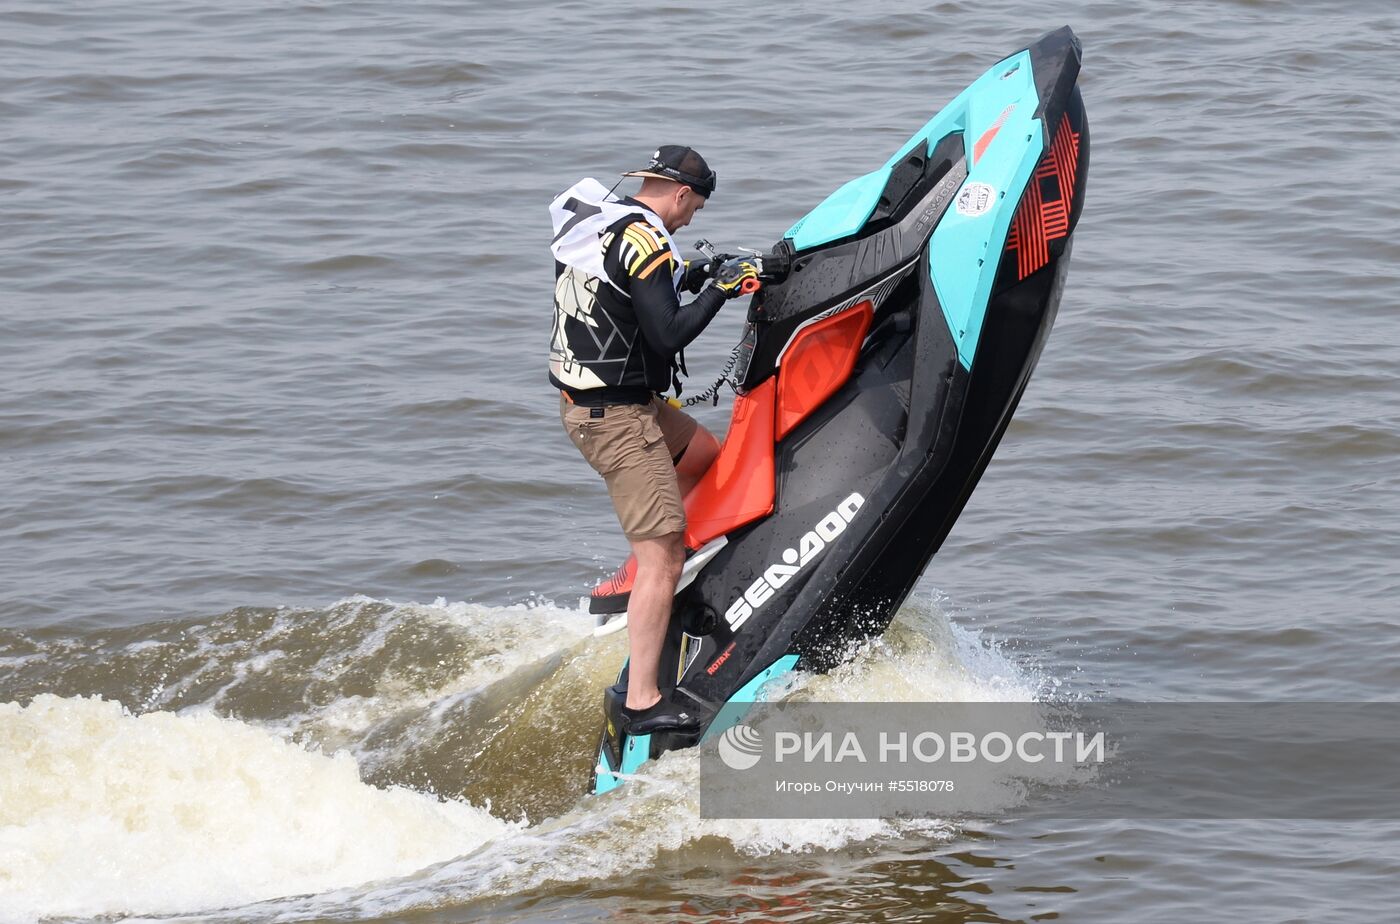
(773, 266)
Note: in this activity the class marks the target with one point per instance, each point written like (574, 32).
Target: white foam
(515, 636)
(923, 658)
(171, 814)
(103, 812)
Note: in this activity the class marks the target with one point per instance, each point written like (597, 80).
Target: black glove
(737, 276)
(701, 270)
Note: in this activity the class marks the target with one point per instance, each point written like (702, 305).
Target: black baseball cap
(681, 164)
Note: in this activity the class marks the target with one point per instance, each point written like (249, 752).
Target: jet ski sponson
(875, 381)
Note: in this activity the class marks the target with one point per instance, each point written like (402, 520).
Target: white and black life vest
(595, 342)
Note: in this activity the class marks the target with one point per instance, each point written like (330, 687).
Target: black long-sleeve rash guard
(667, 324)
(640, 261)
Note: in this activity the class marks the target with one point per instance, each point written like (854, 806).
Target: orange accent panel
(737, 489)
(818, 362)
(739, 486)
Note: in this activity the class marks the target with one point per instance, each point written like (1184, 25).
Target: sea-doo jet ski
(878, 369)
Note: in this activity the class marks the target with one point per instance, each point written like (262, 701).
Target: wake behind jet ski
(880, 364)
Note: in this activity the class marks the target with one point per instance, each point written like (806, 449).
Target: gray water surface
(274, 308)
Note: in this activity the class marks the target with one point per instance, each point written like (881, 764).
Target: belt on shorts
(608, 397)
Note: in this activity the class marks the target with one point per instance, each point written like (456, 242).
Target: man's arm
(647, 262)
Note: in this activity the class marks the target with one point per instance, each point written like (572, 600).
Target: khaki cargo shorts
(633, 446)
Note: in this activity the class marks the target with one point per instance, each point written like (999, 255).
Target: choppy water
(273, 309)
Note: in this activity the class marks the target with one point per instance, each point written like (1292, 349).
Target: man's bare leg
(699, 456)
(659, 563)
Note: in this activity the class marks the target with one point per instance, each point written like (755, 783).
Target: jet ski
(879, 366)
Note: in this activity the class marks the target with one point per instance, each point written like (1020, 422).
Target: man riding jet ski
(618, 330)
(886, 348)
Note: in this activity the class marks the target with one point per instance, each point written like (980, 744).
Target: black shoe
(664, 716)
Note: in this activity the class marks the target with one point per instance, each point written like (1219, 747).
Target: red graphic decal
(1043, 215)
(619, 583)
(980, 147)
